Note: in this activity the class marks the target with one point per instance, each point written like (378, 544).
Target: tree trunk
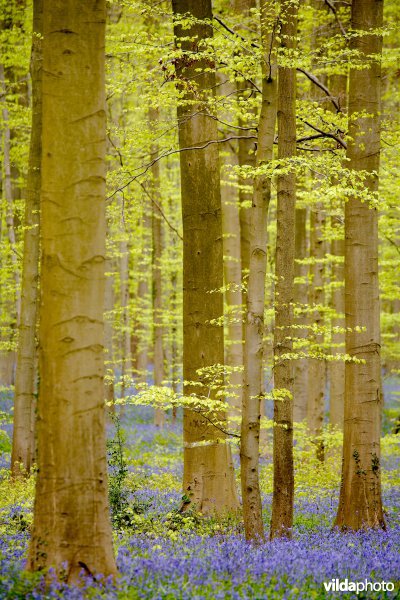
(124, 303)
(232, 267)
(360, 504)
(25, 378)
(300, 390)
(144, 300)
(316, 367)
(338, 87)
(158, 351)
(254, 325)
(9, 198)
(71, 527)
(337, 367)
(282, 502)
(246, 156)
(208, 479)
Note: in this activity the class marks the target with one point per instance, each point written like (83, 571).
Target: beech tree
(208, 479)
(254, 316)
(283, 494)
(360, 503)
(71, 516)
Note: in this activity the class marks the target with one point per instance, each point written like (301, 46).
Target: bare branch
(327, 134)
(147, 166)
(323, 87)
(338, 21)
(160, 210)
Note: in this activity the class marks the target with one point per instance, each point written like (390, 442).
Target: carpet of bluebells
(162, 553)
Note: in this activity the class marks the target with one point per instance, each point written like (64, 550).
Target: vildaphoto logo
(338, 585)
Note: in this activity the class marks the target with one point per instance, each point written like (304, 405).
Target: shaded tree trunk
(71, 524)
(360, 503)
(208, 480)
(282, 501)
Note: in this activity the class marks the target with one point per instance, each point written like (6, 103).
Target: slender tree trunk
(360, 503)
(124, 302)
(338, 87)
(25, 378)
(246, 156)
(208, 479)
(317, 367)
(300, 389)
(71, 526)
(254, 324)
(337, 368)
(9, 198)
(158, 353)
(282, 502)
(144, 300)
(108, 334)
(232, 267)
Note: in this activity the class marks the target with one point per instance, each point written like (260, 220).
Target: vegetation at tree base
(199, 300)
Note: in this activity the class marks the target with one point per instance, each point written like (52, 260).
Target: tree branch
(328, 135)
(147, 166)
(333, 9)
(323, 87)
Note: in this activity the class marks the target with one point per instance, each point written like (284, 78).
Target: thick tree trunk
(360, 503)
(208, 479)
(254, 324)
(25, 378)
(71, 527)
(282, 502)
(300, 389)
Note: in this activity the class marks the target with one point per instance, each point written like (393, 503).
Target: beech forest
(199, 299)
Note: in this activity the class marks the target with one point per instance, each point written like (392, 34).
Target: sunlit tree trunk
(25, 378)
(71, 524)
(254, 321)
(208, 480)
(360, 503)
(282, 501)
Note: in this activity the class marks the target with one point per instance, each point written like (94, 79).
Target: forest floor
(164, 554)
